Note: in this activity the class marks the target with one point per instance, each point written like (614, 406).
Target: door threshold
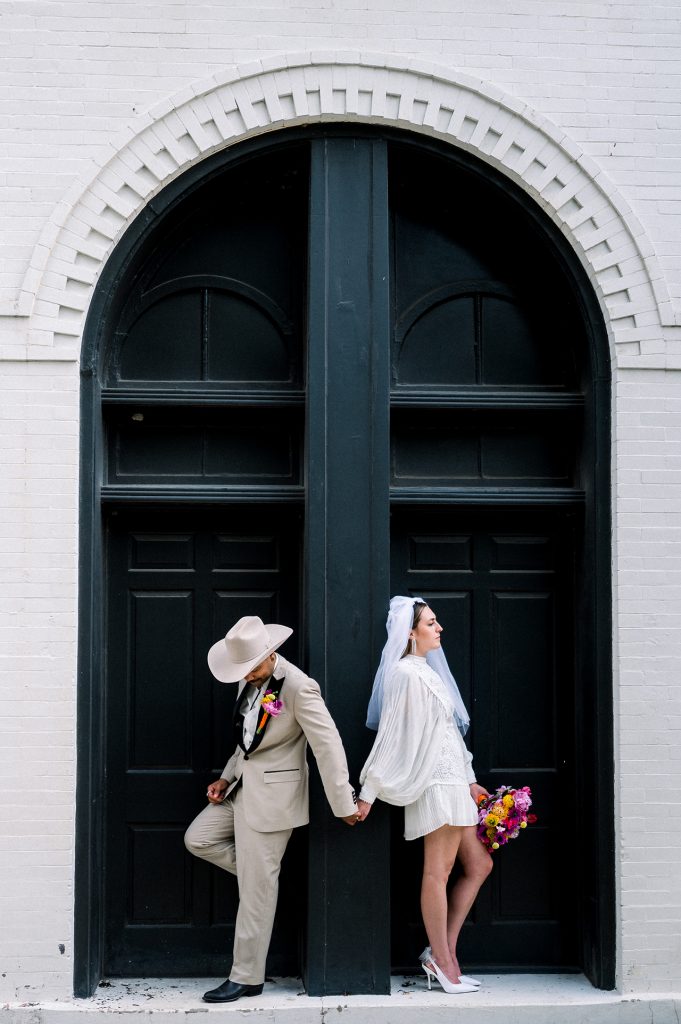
(522, 999)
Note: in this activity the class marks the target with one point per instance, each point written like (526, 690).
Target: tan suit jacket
(274, 772)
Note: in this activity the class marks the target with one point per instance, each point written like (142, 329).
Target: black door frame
(595, 723)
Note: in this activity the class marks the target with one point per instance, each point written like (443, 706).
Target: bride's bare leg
(476, 864)
(439, 853)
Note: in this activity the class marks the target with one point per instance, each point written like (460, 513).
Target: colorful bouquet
(502, 815)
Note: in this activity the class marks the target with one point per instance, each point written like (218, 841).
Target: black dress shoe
(229, 991)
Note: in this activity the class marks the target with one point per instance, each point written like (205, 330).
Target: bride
(419, 761)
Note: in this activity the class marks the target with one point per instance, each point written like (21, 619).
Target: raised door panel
(475, 449)
(204, 446)
(159, 674)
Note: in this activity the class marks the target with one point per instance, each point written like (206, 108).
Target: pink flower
(522, 799)
(270, 706)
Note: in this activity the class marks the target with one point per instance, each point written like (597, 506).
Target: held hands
(216, 791)
(360, 814)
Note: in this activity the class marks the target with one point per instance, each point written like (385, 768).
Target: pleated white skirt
(440, 804)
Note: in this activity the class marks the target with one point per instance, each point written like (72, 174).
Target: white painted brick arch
(314, 88)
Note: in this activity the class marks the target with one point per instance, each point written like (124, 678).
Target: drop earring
(412, 645)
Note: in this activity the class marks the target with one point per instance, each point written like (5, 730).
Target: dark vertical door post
(347, 556)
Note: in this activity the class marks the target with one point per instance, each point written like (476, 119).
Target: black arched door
(330, 370)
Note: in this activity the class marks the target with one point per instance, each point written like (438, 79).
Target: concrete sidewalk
(503, 999)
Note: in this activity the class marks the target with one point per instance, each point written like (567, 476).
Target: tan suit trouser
(221, 834)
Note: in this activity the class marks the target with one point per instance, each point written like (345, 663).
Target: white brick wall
(38, 560)
(74, 73)
(73, 77)
(648, 706)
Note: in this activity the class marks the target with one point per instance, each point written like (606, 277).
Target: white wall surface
(74, 75)
(647, 675)
(38, 561)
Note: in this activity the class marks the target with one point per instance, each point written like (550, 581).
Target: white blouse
(417, 744)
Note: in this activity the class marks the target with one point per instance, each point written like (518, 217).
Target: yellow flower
(508, 801)
(495, 846)
(523, 824)
(491, 819)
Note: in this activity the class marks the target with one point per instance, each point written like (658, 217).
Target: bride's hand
(477, 791)
(363, 809)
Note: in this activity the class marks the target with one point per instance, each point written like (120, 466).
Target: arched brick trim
(313, 88)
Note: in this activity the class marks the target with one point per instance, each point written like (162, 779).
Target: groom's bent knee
(192, 842)
(197, 841)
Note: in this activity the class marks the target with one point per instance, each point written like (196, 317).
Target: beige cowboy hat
(247, 643)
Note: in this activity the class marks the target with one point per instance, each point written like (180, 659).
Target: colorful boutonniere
(269, 705)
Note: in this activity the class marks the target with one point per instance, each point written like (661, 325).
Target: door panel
(178, 581)
(204, 446)
(500, 585)
(473, 450)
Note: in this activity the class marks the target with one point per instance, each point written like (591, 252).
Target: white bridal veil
(400, 619)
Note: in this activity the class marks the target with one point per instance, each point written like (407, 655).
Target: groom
(262, 794)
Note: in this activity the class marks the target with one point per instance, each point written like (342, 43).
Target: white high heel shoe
(428, 954)
(450, 987)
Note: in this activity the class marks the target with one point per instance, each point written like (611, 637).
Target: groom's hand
(352, 819)
(216, 791)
